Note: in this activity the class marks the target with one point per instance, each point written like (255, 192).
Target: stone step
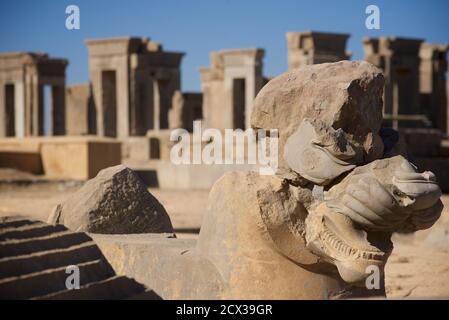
(50, 259)
(52, 280)
(117, 287)
(39, 229)
(34, 257)
(58, 240)
(15, 222)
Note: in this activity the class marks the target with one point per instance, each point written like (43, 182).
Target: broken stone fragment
(116, 201)
(345, 96)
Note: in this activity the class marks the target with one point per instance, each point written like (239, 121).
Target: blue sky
(200, 26)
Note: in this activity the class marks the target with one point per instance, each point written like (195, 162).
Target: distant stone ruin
(24, 78)
(134, 96)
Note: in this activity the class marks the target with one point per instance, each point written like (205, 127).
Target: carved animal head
(352, 227)
(328, 116)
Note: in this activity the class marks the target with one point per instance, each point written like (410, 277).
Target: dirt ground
(418, 267)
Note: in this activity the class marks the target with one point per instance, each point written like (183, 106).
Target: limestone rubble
(116, 201)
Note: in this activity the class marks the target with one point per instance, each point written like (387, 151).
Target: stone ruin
(115, 202)
(312, 231)
(24, 77)
(135, 97)
(133, 81)
(311, 47)
(229, 87)
(34, 257)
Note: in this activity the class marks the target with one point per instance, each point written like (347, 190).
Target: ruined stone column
(310, 47)
(229, 87)
(399, 60)
(433, 69)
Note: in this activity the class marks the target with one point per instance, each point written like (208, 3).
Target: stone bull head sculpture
(343, 186)
(356, 188)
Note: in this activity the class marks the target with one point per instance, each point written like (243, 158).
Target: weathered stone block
(21, 154)
(116, 201)
(78, 158)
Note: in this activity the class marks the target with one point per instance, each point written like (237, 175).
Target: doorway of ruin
(163, 104)
(51, 118)
(109, 98)
(238, 97)
(144, 109)
(155, 149)
(10, 110)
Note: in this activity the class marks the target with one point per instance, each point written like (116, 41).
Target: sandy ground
(418, 267)
(37, 201)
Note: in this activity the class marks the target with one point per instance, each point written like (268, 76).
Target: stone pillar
(19, 109)
(122, 94)
(26, 73)
(399, 60)
(433, 70)
(29, 96)
(134, 97)
(80, 110)
(228, 68)
(37, 107)
(310, 47)
(2, 111)
(175, 116)
(157, 105)
(95, 78)
(110, 107)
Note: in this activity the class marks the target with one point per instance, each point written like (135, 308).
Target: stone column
(97, 92)
(29, 93)
(37, 108)
(157, 105)
(122, 97)
(433, 70)
(19, 109)
(2, 111)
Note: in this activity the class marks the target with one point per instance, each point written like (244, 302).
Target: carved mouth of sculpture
(347, 251)
(336, 239)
